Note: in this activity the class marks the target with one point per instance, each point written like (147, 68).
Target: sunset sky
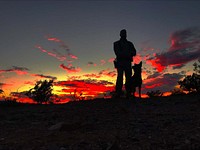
(72, 43)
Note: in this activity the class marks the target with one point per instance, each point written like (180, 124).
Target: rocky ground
(167, 123)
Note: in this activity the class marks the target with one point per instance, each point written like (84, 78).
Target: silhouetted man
(124, 51)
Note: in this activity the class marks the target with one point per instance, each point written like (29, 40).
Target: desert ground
(160, 123)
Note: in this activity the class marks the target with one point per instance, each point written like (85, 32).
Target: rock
(56, 126)
(63, 148)
(61, 126)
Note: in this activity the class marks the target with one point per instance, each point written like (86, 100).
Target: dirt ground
(164, 123)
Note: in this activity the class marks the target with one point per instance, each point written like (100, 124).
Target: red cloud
(92, 75)
(72, 56)
(185, 47)
(54, 39)
(103, 62)
(70, 68)
(137, 59)
(88, 87)
(58, 56)
(111, 60)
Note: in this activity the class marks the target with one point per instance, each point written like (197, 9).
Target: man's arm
(116, 48)
(133, 50)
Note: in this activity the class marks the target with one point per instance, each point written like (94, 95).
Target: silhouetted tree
(156, 93)
(191, 83)
(42, 91)
(197, 67)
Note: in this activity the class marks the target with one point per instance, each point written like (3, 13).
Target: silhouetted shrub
(9, 101)
(42, 91)
(156, 93)
(197, 67)
(191, 83)
(177, 92)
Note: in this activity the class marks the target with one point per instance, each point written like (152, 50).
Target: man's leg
(128, 74)
(119, 82)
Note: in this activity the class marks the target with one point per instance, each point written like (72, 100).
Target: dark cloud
(164, 83)
(70, 68)
(107, 73)
(91, 63)
(45, 76)
(154, 75)
(101, 73)
(185, 47)
(4, 84)
(16, 69)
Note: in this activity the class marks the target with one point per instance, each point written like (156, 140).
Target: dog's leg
(139, 87)
(134, 89)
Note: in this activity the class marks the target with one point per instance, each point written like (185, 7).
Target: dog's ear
(140, 63)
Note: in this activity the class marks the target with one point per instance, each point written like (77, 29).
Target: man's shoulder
(130, 42)
(117, 42)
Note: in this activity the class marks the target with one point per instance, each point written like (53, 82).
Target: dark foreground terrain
(167, 123)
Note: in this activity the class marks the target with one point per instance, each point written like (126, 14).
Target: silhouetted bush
(191, 83)
(9, 101)
(156, 93)
(177, 92)
(42, 91)
(197, 67)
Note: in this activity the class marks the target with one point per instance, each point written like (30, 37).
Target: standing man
(124, 51)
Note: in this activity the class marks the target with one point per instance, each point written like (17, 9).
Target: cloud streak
(63, 45)
(67, 56)
(54, 54)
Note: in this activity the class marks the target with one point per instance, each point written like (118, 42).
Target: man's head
(123, 33)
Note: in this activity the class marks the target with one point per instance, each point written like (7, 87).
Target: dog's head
(137, 68)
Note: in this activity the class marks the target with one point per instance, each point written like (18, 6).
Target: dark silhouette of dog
(136, 79)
